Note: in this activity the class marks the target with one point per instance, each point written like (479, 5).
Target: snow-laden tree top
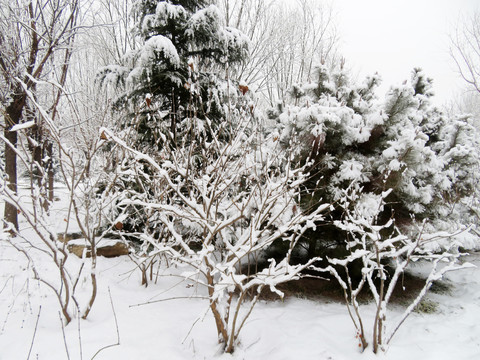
(173, 36)
(402, 143)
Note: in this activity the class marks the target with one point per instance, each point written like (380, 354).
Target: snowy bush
(397, 172)
(219, 206)
(86, 210)
(384, 255)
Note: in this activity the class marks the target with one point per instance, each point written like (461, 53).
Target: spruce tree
(183, 45)
(173, 89)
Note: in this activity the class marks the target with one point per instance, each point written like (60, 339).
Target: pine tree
(403, 144)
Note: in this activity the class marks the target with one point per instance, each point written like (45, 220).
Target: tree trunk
(222, 331)
(37, 159)
(51, 174)
(11, 171)
(173, 124)
(14, 113)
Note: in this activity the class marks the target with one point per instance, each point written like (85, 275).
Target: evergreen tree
(174, 86)
(174, 74)
(403, 144)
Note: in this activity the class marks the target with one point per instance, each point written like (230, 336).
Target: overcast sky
(392, 37)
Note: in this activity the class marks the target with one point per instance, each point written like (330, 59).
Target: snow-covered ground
(294, 329)
(30, 325)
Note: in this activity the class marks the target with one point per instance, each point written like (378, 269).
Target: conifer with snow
(403, 144)
(157, 78)
(174, 85)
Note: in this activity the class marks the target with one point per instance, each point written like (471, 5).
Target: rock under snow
(107, 248)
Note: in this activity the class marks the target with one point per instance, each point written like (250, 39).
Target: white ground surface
(294, 329)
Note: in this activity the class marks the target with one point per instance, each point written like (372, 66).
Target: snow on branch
(384, 255)
(218, 218)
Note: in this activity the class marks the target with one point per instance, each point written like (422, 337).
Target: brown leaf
(243, 89)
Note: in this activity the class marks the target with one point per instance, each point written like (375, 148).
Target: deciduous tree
(31, 33)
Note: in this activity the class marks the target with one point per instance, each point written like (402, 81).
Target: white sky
(392, 37)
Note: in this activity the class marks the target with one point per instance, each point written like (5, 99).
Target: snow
(205, 18)
(350, 170)
(292, 329)
(23, 126)
(102, 243)
(296, 328)
(166, 11)
(159, 46)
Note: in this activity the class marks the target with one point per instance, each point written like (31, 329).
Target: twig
(6, 283)
(10, 308)
(170, 288)
(114, 316)
(116, 326)
(201, 317)
(172, 298)
(63, 333)
(35, 331)
(78, 277)
(79, 336)
(28, 295)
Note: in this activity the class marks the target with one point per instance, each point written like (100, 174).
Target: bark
(221, 329)
(14, 113)
(37, 155)
(51, 175)
(49, 145)
(11, 215)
